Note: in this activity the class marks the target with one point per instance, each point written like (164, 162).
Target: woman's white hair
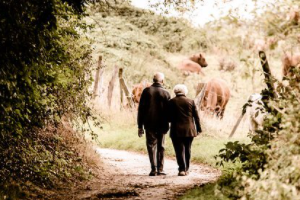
(180, 89)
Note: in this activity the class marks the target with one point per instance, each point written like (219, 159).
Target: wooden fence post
(97, 77)
(199, 88)
(121, 89)
(121, 95)
(199, 97)
(124, 88)
(101, 89)
(111, 86)
(237, 124)
(267, 72)
(269, 81)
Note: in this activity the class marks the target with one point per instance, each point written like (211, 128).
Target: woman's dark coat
(184, 117)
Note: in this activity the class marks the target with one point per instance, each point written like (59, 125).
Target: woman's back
(183, 116)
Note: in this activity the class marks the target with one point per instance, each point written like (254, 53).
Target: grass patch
(123, 135)
(205, 192)
(204, 148)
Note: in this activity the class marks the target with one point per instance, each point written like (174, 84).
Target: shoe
(153, 173)
(181, 173)
(161, 173)
(187, 172)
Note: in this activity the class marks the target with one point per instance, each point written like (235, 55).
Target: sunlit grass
(203, 150)
(206, 192)
(122, 134)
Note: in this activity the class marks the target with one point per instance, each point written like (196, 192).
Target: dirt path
(126, 177)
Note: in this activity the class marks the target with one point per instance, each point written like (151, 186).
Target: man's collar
(157, 85)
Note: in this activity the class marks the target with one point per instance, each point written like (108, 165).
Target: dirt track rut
(126, 177)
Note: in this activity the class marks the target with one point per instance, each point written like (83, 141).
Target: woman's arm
(196, 118)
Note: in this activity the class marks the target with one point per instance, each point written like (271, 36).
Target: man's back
(152, 112)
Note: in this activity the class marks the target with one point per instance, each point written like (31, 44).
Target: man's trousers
(155, 145)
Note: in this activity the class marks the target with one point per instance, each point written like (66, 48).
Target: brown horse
(137, 91)
(290, 61)
(193, 64)
(216, 97)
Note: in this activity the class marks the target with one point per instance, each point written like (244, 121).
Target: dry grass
(78, 143)
(120, 129)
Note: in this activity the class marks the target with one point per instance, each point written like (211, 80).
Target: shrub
(45, 74)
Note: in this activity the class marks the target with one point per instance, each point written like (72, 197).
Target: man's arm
(170, 114)
(168, 110)
(196, 118)
(168, 96)
(141, 110)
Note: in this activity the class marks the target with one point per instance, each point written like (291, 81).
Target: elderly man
(152, 116)
(185, 125)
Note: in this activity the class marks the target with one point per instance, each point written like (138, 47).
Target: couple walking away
(156, 110)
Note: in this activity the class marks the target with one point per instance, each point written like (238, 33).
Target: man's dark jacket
(153, 108)
(183, 116)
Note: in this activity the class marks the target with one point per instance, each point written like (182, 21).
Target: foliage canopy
(45, 73)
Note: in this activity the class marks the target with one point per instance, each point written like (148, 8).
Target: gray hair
(158, 77)
(180, 89)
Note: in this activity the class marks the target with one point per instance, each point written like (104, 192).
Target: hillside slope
(141, 41)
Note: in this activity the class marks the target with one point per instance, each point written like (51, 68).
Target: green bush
(45, 73)
(280, 178)
(270, 163)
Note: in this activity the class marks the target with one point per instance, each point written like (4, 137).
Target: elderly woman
(184, 117)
